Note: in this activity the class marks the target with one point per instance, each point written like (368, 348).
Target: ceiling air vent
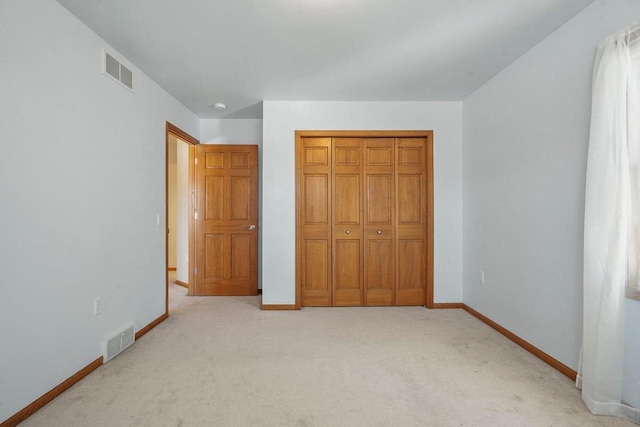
(114, 69)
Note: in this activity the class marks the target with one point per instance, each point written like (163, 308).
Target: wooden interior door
(379, 221)
(314, 221)
(364, 218)
(411, 220)
(226, 259)
(347, 254)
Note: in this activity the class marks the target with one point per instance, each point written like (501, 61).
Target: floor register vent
(118, 342)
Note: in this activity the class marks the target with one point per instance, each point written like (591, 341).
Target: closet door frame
(428, 135)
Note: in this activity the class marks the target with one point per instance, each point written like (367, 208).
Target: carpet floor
(221, 361)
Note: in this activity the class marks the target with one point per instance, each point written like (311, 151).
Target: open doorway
(179, 211)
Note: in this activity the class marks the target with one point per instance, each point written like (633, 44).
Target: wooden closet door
(347, 222)
(314, 262)
(364, 218)
(379, 221)
(411, 220)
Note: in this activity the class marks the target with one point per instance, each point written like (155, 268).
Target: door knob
(348, 232)
(379, 231)
(252, 227)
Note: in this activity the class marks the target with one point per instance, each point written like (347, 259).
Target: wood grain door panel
(314, 237)
(240, 209)
(214, 199)
(347, 279)
(410, 265)
(214, 257)
(379, 260)
(226, 227)
(379, 268)
(411, 221)
(347, 247)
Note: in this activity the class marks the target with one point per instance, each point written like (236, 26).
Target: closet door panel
(410, 189)
(379, 272)
(316, 206)
(346, 209)
(411, 220)
(379, 256)
(379, 242)
(346, 272)
(347, 222)
(314, 263)
(410, 271)
(317, 254)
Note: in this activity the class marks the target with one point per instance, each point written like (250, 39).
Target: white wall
(81, 182)
(524, 161)
(283, 118)
(231, 131)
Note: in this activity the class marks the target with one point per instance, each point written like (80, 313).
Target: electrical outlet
(482, 277)
(97, 306)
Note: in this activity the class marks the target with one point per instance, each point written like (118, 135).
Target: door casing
(171, 129)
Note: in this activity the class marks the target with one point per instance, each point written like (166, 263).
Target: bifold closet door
(379, 221)
(347, 253)
(362, 219)
(315, 218)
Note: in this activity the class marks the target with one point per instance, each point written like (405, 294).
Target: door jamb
(171, 129)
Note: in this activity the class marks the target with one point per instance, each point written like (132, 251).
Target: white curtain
(611, 233)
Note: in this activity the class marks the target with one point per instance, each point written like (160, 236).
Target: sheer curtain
(611, 231)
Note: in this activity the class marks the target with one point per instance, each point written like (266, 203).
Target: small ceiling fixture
(219, 106)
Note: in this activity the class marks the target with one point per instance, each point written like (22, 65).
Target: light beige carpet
(223, 362)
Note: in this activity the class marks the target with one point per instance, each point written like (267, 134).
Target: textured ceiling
(244, 51)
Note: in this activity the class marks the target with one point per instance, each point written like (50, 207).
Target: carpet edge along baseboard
(40, 402)
(551, 361)
(30, 409)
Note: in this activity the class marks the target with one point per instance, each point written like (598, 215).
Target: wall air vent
(115, 344)
(113, 68)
